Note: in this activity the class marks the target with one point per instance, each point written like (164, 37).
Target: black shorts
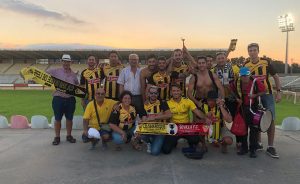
(63, 106)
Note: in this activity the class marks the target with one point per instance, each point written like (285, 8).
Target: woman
(121, 121)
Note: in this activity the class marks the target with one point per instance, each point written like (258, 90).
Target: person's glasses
(153, 93)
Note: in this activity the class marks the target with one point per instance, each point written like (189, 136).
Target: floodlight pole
(287, 27)
(286, 53)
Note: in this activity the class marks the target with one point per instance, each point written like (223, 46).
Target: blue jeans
(117, 138)
(156, 141)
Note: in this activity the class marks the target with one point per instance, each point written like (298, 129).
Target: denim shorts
(268, 102)
(63, 106)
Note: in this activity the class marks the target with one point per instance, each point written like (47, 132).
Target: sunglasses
(153, 93)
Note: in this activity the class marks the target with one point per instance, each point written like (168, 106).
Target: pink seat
(19, 122)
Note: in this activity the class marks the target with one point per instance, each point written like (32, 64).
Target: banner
(43, 78)
(176, 129)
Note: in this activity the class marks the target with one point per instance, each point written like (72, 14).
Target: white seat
(39, 121)
(63, 122)
(291, 123)
(3, 122)
(77, 123)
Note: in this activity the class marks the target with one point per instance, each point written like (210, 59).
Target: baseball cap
(212, 95)
(66, 57)
(244, 71)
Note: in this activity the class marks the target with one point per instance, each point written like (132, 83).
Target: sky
(142, 24)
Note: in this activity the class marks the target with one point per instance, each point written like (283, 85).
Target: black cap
(212, 95)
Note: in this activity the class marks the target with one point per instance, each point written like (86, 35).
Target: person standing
(91, 78)
(129, 80)
(64, 104)
(262, 69)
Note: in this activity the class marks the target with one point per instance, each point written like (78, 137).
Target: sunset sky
(141, 24)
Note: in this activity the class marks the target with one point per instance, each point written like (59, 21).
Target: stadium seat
(290, 123)
(77, 123)
(19, 122)
(3, 122)
(39, 121)
(63, 122)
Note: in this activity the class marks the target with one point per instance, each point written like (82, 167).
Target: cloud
(37, 11)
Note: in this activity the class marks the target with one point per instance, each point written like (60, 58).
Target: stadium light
(286, 24)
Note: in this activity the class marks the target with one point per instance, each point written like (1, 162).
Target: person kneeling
(121, 121)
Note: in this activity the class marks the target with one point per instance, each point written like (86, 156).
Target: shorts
(268, 102)
(225, 132)
(63, 106)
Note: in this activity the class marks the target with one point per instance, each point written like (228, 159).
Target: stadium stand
(4, 67)
(78, 67)
(15, 69)
(41, 66)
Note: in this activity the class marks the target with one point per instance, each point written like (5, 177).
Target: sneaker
(272, 152)
(93, 146)
(148, 147)
(259, 146)
(104, 145)
(253, 154)
(71, 139)
(56, 141)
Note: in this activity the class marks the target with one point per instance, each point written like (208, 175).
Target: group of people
(119, 97)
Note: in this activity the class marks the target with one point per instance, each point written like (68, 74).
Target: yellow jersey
(180, 110)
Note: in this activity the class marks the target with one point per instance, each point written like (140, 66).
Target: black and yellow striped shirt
(152, 109)
(180, 81)
(111, 76)
(162, 81)
(91, 79)
(262, 70)
(123, 118)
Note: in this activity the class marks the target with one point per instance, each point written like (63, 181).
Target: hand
(124, 136)
(208, 121)
(199, 103)
(278, 97)
(220, 102)
(181, 75)
(150, 118)
(239, 101)
(116, 107)
(252, 96)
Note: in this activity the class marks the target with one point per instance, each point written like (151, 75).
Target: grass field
(36, 102)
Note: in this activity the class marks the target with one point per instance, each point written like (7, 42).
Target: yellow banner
(152, 128)
(38, 76)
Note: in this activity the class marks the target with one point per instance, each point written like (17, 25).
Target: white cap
(66, 57)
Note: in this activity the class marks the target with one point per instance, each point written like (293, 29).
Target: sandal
(56, 141)
(71, 139)
(136, 145)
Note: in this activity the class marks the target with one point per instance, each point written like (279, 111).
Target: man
(129, 80)
(210, 62)
(147, 72)
(90, 78)
(111, 73)
(102, 108)
(161, 79)
(155, 110)
(179, 70)
(215, 109)
(262, 69)
(180, 108)
(64, 104)
(224, 71)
